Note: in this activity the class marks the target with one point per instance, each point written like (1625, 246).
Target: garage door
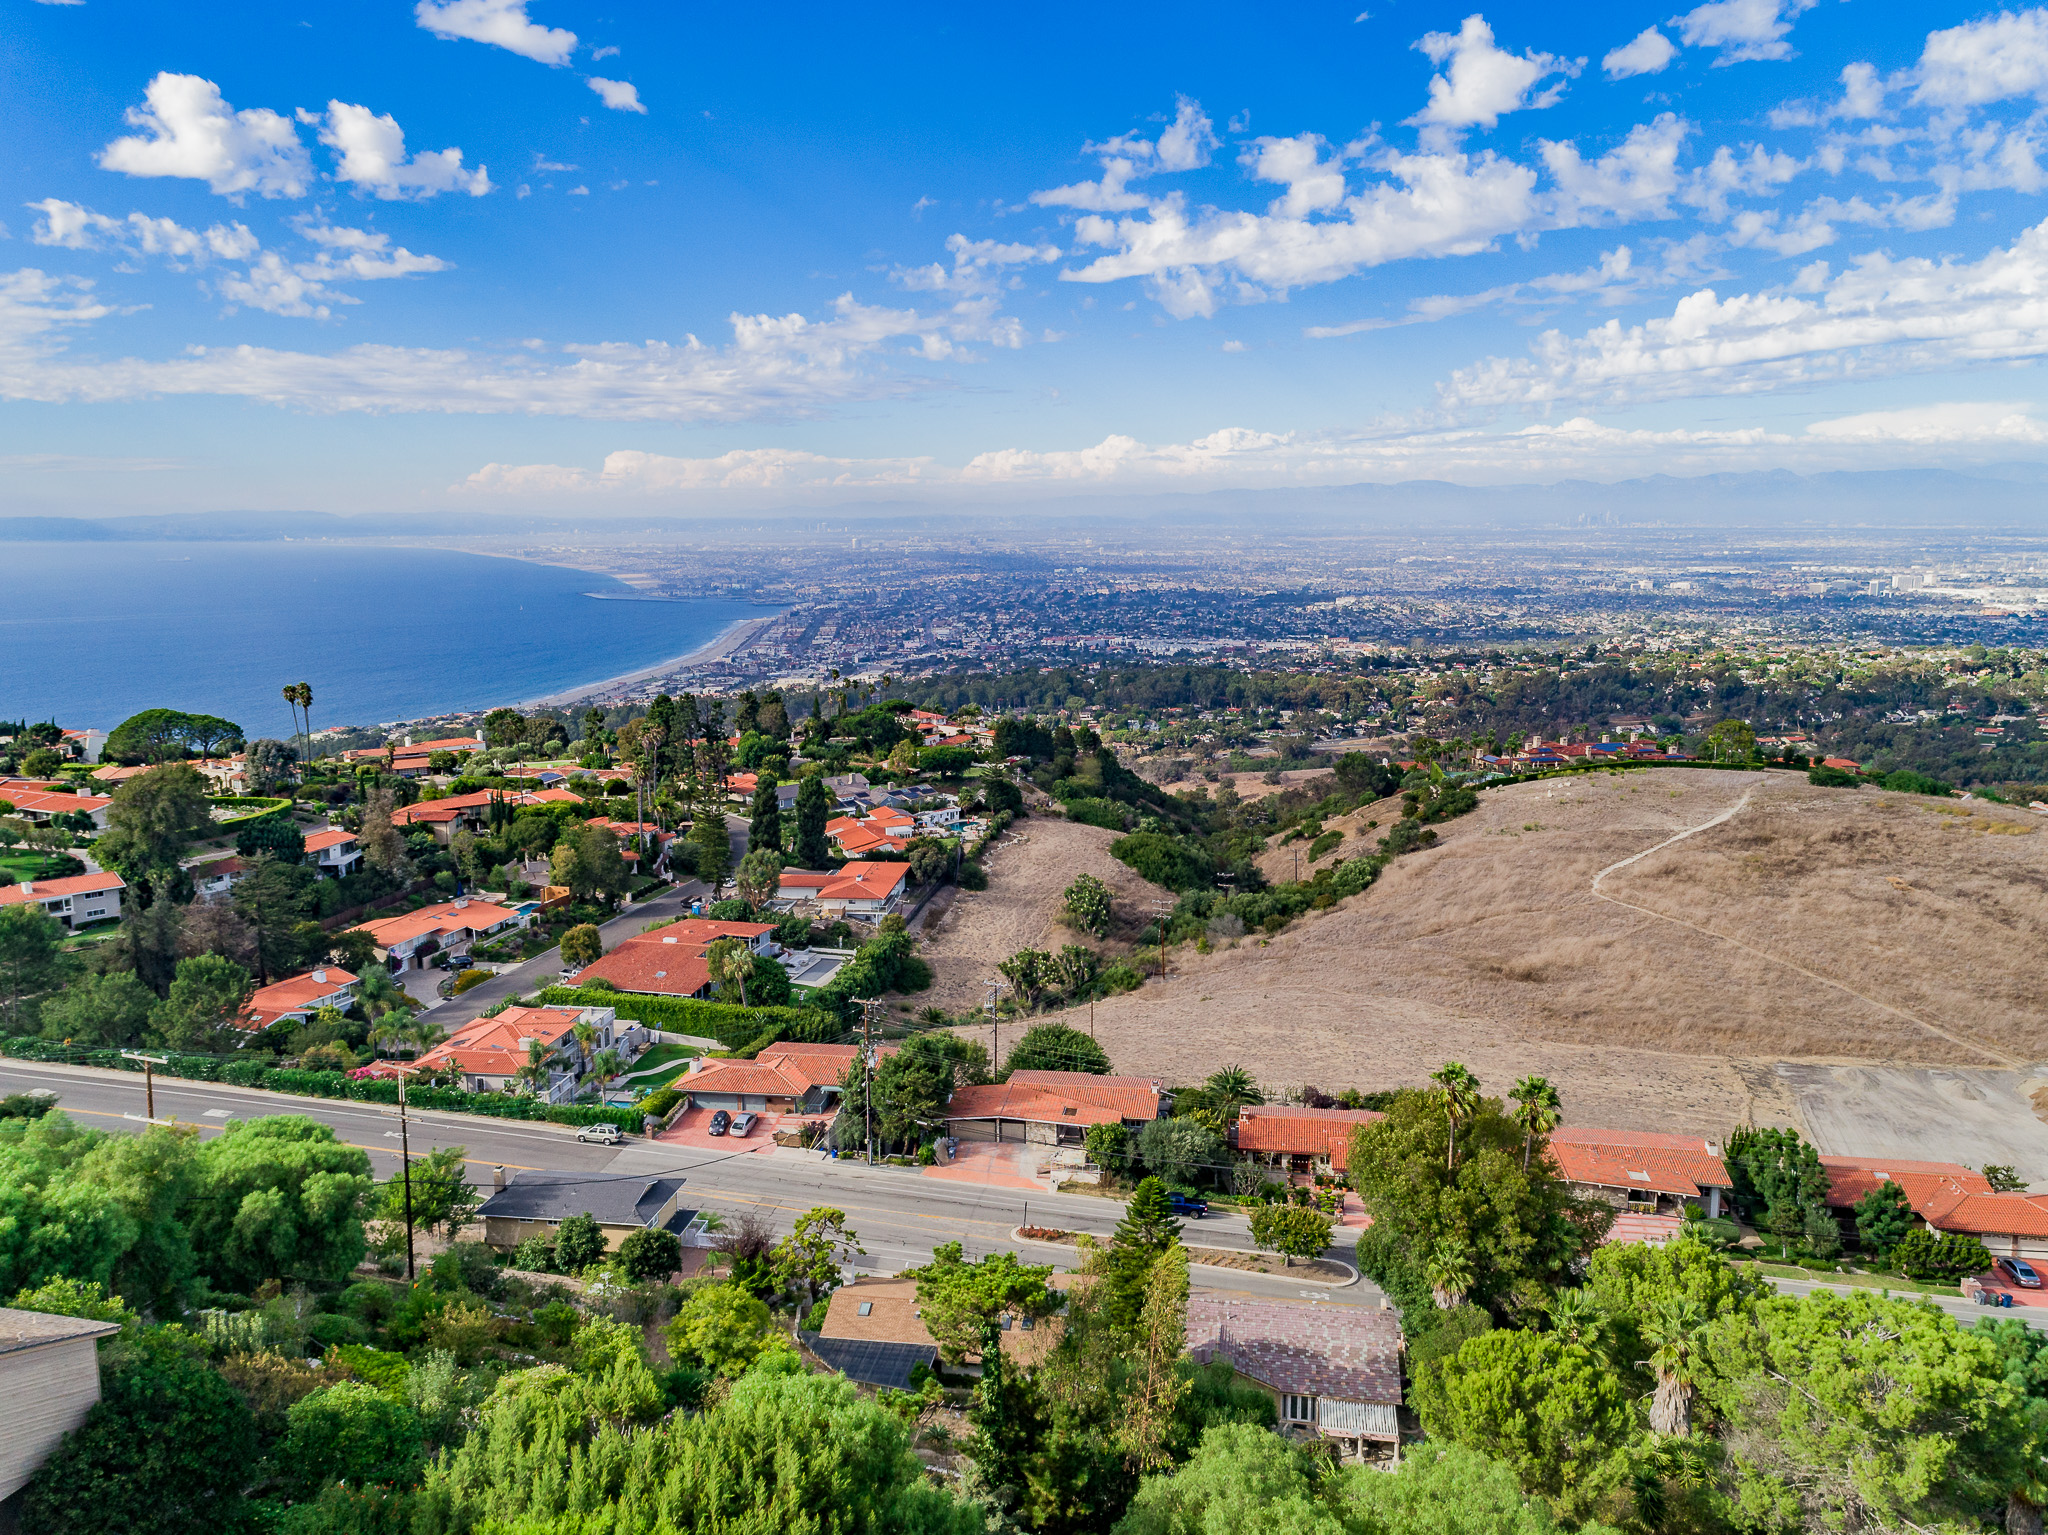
(972, 1129)
(1011, 1130)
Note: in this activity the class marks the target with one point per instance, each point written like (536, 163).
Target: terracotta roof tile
(1635, 1159)
(1302, 1132)
(1345, 1353)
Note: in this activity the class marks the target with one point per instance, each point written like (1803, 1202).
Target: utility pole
(867, 1064)
(1161, 910)
(405, 1168)
(148, 1079)
(995, 1026)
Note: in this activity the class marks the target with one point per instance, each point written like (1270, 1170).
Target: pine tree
(813, 810)
(764, 828)
(714, 849)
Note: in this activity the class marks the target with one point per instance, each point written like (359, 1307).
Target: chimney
(462, 905)
(28, 887)
(498, 1179)
(320, 976)
(668, 940)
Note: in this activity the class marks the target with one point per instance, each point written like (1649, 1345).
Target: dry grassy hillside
(1804, 923)
(1028, 877)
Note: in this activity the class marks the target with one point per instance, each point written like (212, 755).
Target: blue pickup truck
(1184, 1204)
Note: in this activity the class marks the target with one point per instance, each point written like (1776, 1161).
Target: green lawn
(661, 1065)
(1895, 1282)
(24, 865)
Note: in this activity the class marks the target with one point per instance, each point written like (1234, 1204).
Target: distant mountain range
(2004, 497)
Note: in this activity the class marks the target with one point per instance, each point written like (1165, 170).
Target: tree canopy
(162, 735)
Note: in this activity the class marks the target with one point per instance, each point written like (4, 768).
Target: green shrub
(1906, 781)
(1323, 844)
(1165, 860)
(972, 876)
(1832, 778)
(658, 1103)
(732, 1026)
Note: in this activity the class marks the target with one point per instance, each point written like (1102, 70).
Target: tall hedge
(733, 1027)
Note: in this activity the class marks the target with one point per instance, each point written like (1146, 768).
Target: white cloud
(360, 255)
(1484, 81)
(619, 95)
(372, 151)
(1742, 29)
(598, 55)
(1314, 185)
(978, 266)
(1943, 424)
(744, 469)
(189, 130)
(782, 365)
(1983, 61)
(1427, 204)
(1730, 175)
(501, 23)
(1879, 317)
(276, 287)
(74, 227)
(1647, 53)
(1185, 145)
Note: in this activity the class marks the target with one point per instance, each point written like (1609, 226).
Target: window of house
(1298, 1409)
(1006, 1321)
(867, 1308)
(1029, 1323)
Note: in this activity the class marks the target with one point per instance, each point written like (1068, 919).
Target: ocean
(91, 633)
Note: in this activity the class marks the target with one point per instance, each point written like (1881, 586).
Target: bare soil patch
(1814, 924)
(1028, 874)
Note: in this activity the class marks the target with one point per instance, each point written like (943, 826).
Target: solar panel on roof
(871, 1362)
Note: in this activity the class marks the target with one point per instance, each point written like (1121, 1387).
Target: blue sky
(548, 256)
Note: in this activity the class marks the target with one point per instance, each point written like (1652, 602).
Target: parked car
(2017, 1271)
(460, 962)
(1182, 1204)
(720, 1123)
(742, 1124)
(600, 1135)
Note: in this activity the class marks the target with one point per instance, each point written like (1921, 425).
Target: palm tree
(535, 1072)
(424, 1035)
(1449, 1272)
(306, 708)
(606, 1066)
(291, 698)
(586, 1038)
(731, 963)
(1675, 1331)
(1231, 1089)
(1536, 1110)
(1575, 1316)
(1458, 1091)
(391, 1029)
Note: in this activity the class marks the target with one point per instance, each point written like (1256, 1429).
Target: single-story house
(114, 775)
(406, 942)
(1297, 1140)
(669, 961)
(536, 1203)
(885, 831)
(410, 758)
(1052, 1108)
(298, 998)
(41, 807)
(785, 1078)
(1642, 1172)
(1947, 1197)
(50, 1379)
(874, 1333)
(1334, 1371)
(85, 745)
(333, 853)
(857, 890)
(73, 899)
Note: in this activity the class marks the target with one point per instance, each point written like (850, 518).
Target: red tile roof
(445, 917)
(1933, 1189)
(49, 889)
(53, 804)
(496, 1047)
(855, 882)
(1059, 1097)
(1983, 1215)
(294, 995)
(652, 969)
(1635, 1159)
(699, 931)
(333, 837)
(1343, 1353)
(1302, 1132)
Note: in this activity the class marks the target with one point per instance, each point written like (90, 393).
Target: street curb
(1017, 1235)
(450, 1117)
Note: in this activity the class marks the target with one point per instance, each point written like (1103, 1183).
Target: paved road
(900, 1215)
(543, 969)
(1964, 1311)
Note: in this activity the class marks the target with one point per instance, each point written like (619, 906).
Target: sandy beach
(734, 636)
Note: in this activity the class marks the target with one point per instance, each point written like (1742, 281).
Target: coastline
(735, 636)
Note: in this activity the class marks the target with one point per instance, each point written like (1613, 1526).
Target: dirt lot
(1028, 873)
(1811, 925)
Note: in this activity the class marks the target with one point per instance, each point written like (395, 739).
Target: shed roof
(33, 1329)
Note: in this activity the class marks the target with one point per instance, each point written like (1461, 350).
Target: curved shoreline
(733, 637)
